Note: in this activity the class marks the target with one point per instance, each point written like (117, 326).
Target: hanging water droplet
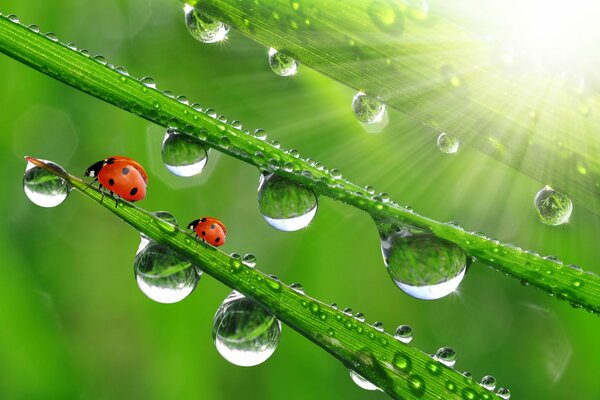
(552, 207)
(281, 64)
(448, 144)
(488, 382)
(446, 356)
(362, 382)
(183, 154)
(404, 334)
(284, 204)
(245, 334)
(421, 264)
(44, 188)
(368, 110)
(202, 27)
(503, 393)
(162, 275)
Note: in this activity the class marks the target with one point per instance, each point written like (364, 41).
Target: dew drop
(204, 28)
(284, 204)
(335, 173)
(552, 207)
(162, 275)
(378, 325)
(44, 188)
(488, 382)
(404, 334)
(362, 382)
(52, 36)
(149, 82)
(183, 154)
(368, 110)
(420, 264)
(245, 334)
(297, 287)
(260, 134)
(446, 356)
(281, 64)
(249, 260)
(13, 18)
(360, 316)
(447, 143)
(503, 393)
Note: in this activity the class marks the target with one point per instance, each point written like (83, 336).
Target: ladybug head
(94, 169)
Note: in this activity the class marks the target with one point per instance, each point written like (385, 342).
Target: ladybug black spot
(203, 233)
(217, 240)
(203, 220)
(111, 181)
(125, 171)
(133, 191)
(110, 161)
(212, 226)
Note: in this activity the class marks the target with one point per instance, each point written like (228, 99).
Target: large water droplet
(488, 382)
(183, 154)
(284, 204)
(44, 188)
(404, 334)
(362, 382)
(448, 144)
(446, 356)
(552, 207)
(421, 264)
(245, 334)
(204, 28)
(281, 64)
(162, 274)
(368, 110)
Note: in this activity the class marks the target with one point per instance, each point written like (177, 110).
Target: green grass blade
(421, 64)
(84, 73)
(400, 370)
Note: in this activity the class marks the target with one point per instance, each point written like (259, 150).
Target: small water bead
(34, 28)
(488, 382)
(297, 287)
(162, 275)
(422, 265)
(122, 70)
(552, 207)
(52, 36)
(503, 393)
(149, 82)
(368, 110)
(362, 382)
(237, 124)
(260, 134)
(44, 188)
(447, 143)
(204, 28)
(378, 325)
(360, 316)
(446, 356)
(404, 334)
(281, 64)
(210, 112)
(13, 18)
(335, 173)
(467, 374)
(347, 311)
(183, 154)
(249, 260)
(245, 333)
(284, 204)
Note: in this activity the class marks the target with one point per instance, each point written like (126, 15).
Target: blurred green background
(73, 323)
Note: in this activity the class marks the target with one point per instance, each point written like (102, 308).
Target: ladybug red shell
(122, 176)
(210, 230)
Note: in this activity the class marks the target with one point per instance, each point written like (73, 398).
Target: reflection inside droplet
(44, 188)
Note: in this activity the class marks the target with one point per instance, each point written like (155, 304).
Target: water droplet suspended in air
(183, 154)
(488, 382)
(204, 28)
(245, 333)
(422, 265)
(362, 382)
(161, 274)
(448, 144)
(404, 334)
(44, 188)
(552, 207)
(281, 64)
(446, 356)
(503, 393)
(284, 204)
(368, 110)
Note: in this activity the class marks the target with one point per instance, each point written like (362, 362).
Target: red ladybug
(122, 176)
(210, 230)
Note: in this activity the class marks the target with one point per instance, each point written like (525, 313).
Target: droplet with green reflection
(281, 64)
(202, 27)
(184, 155)
(44, 188)
(367, 109)
(552, 207)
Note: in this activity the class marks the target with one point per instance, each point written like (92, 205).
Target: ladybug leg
(91, 183)
(101, 191)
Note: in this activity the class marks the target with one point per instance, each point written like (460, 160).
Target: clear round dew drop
(504, 393)
(281, 64)
(552, 207)
(404, 333)
(44, 188)
(162, 274)
(204, 28)
(420, 264)
(284, 204)
(446, 356)
(245, 333)
(183, 154)
(368, 110)
(488, 382)
(362, 382)
(448, 144)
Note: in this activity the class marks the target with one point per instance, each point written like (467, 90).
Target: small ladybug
(122, 176)
(210, 230)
